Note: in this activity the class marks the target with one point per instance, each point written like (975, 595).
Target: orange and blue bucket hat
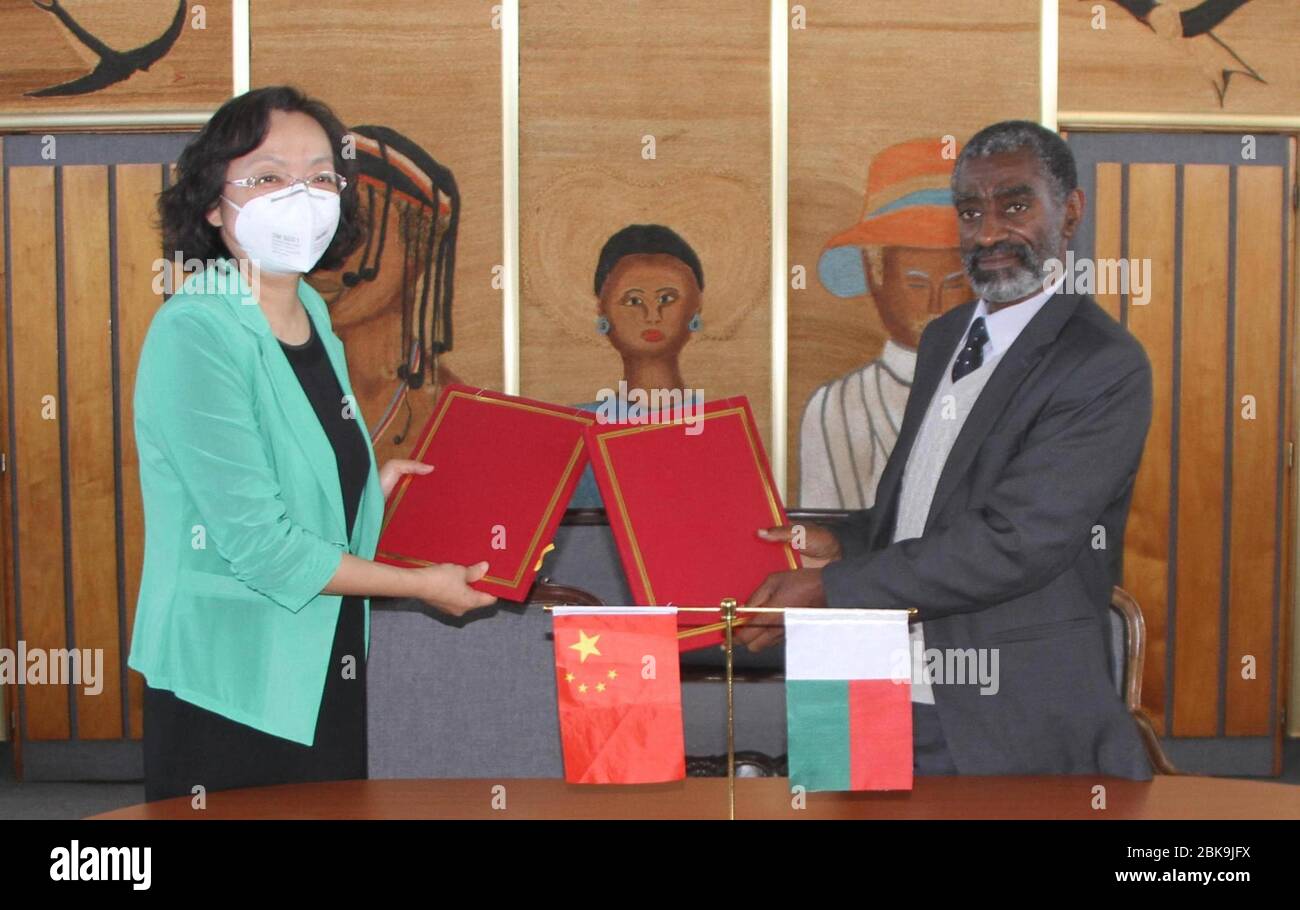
(908, 203)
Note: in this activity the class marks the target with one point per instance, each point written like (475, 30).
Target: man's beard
(1009, 284)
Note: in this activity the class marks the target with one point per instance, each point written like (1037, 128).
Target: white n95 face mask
(287, 231)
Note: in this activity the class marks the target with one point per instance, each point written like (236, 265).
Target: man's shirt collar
(1005, 326)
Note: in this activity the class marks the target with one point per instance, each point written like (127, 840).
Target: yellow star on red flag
(585, 646)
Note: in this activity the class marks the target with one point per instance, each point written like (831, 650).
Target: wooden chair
(1129, 644)
(547, 594)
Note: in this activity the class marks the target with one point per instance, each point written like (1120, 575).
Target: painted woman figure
(649, 289)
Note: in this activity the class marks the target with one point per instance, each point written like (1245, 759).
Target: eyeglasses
(270, 181)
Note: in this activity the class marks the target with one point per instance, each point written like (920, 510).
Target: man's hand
(798, 588)
(815, 543)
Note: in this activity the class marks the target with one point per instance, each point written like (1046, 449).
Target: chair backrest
(1117, 627)
(586, 557)
(1127, 646)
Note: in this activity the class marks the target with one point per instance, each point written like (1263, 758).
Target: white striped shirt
(849, 428)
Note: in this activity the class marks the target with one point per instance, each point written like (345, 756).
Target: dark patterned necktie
(972, 355)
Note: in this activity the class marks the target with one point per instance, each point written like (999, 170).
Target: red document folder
(504, 470)
(684, 504)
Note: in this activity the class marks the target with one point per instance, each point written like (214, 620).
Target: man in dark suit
(1000, 515)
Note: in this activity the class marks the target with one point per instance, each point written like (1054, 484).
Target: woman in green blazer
(262, 501)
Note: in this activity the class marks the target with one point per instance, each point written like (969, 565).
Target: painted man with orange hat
(904, 254)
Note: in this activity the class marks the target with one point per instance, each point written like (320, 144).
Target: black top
(340, 748)
(312, 364)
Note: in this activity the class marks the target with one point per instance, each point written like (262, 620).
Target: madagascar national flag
(620, 694)
(848, 699)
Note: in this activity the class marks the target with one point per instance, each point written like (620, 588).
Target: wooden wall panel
(37, 413)
(1201, 450)
(90, 454)
(1108, 214)
(692, 74)
(1151, 225)
(138, 249)
(1254, 548)
(864, 77)
(432, 72)
(42, 52)
(1129, 66)
(8, 634)
(1289, 666)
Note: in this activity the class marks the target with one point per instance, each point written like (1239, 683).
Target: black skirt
(187, 746)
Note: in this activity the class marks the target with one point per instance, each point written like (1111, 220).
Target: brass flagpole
(729, 617)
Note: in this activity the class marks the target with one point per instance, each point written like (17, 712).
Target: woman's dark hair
(646, 239)
(238, 127)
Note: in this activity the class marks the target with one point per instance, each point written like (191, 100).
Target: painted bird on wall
(114, 66)
(1192, 30)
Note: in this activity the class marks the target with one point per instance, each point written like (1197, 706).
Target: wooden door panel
(83, 226)
(1207, 548)
(138, 247)
(88, 412)
(1152, 192)
(1258, 328)
(1201, 458)
(35, 461)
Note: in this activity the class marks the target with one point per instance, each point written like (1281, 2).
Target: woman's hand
(394, 468)
(816, 544)
(446, 586)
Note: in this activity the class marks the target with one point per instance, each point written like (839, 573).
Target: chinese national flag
(620, 694)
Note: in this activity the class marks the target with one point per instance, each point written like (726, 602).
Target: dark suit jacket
(1008, 559)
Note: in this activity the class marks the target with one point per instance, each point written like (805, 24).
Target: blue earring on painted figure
(602, 325)
(695, 323)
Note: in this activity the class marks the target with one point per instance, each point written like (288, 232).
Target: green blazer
(243, 514)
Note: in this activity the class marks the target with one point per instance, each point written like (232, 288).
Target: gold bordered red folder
(685, 502)
(504, 470)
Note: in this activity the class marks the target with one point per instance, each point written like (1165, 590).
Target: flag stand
(728, 610)
(729, 617)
